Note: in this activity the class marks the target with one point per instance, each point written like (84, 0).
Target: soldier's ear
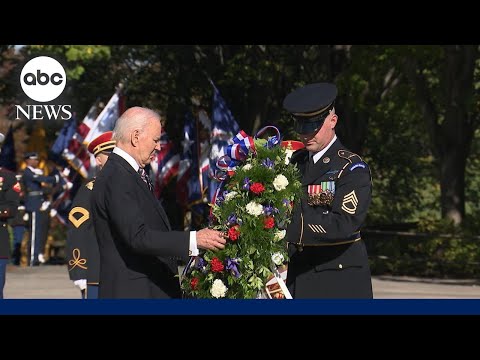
(333, 121)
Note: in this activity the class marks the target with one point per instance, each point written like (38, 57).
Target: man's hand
(210, 239)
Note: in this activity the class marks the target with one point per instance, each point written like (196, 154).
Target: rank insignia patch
(321, 194)
(350, 202)
(85, 215)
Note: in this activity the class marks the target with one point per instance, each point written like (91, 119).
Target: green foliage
(254, 209)
(436, 248)
(76, 56)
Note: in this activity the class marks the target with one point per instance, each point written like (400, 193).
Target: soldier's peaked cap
(31, 155)
(310, 105)
(101, 143)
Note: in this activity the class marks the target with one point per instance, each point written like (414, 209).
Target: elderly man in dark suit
(138, 249)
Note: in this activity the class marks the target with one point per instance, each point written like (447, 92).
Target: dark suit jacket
(138, 250)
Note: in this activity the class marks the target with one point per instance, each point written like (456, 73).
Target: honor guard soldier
(35, 202)
(328, 258)
(82, 248)
(9, 199)
(18, 225)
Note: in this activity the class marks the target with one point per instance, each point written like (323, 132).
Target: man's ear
(135, 137)
(333, 121)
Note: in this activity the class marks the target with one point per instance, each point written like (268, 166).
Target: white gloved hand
(68, 185)
(45, 205)
(53, 213)
(81, 284)
(26, 217)
(21, 208)
(66, 172)
(38, 171)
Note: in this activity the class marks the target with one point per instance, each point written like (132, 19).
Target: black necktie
(310, 162)
(145, 178)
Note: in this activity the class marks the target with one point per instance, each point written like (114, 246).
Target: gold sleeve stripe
(78, 210)
(317, 228)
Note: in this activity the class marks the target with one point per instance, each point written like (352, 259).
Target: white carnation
(230, 195)
(280, 234)
(218, 289)
(247, 167)
(254, 208)
(280, 182)
(278, 258)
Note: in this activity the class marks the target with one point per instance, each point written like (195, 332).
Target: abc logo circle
(43, 79)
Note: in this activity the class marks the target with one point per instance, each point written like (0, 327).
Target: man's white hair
(135, 118)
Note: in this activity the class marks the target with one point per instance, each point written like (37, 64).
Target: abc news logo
(43, 79)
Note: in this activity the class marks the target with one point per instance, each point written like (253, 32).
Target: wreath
(253, 207)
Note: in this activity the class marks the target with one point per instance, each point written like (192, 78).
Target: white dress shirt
(318, 155)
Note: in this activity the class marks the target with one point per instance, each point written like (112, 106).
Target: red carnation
(257, 188)
(268, 222)
(194, 283)
(216, 265)
(234, 232)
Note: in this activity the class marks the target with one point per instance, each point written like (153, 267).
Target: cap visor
(305, 127)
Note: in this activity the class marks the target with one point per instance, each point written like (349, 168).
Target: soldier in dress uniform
(82, 248)
(35, 201)
(18, 225)
(9, 198)
(328, 258)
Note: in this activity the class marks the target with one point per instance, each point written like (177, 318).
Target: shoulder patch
(361, 165)
(89, 185)
(350, 156)
(84, 216)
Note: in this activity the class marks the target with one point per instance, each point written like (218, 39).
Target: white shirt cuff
(193, 250)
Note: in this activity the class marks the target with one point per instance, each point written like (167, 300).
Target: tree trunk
(452, 137)
(452, 184)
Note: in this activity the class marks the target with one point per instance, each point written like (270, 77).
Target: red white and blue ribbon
(237, 152)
